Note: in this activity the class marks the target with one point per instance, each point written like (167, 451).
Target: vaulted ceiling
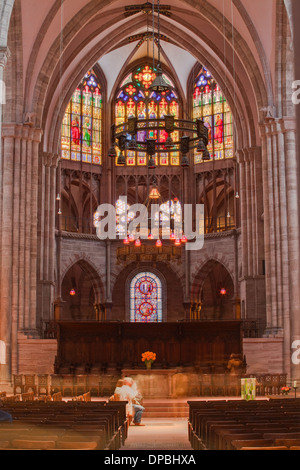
(58, 41)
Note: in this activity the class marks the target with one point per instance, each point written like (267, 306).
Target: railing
(211, 225)
(73, 225)
(219, 224)
(253, 328)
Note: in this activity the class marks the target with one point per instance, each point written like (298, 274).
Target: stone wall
(36, 356)
(264, 355)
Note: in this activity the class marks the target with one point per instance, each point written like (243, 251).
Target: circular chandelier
(124, 137)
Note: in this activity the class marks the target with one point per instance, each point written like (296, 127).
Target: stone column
(108, 302)
(270, 218)
(281, 217)
(4, 55)
(252, 279)
(289, 129)
(46, 256)
(18, 237)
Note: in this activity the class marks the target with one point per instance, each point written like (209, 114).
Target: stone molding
(21, 131)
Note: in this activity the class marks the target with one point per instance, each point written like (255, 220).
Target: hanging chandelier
(127, 132)
(182, 136)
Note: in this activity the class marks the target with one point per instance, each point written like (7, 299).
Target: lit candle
(295, 383)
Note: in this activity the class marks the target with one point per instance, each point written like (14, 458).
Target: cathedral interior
(171, 104)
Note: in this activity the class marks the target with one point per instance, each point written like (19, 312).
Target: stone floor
(159, 434)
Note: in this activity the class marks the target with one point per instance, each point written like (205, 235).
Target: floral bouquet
(148, 357)
(285, 390)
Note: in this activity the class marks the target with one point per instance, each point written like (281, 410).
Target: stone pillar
(18, 237)
(46, 256)
(281, 217)
(4, 55)
(108, 302)
(289, 129)
(252, 280)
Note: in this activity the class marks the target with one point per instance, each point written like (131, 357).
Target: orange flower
(148, 356)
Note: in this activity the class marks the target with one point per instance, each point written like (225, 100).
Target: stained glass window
(210, 105)
(121, 220)
(134, 99)
(146, 298)
(81, 136)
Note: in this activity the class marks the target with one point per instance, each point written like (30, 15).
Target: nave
(186, 424)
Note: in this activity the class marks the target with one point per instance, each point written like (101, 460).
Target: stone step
(166, 409)
(162, 414)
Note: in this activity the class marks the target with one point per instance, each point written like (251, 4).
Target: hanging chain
(153, 35)
(158, 27)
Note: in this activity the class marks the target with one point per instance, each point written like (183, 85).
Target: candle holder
(295, 388)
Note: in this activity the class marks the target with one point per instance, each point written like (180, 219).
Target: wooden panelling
(175, 344)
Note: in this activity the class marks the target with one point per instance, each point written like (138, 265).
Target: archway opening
(213, 293)
(82, 294)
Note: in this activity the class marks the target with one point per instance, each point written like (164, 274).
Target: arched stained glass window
(146, 298)
(81, 136)
(210, 105)
(121, 210)
(134, 99)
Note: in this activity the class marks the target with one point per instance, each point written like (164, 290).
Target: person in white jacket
(130, 388)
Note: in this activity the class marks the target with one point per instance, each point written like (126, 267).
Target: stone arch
(204, 269)
(87, 264)
(213, 292)
(6, 8)
(172, 280)
(43, 85)
(87, 303)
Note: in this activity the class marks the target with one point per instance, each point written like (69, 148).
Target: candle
(295, 383)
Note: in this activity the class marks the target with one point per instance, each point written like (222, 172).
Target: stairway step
(163, 404)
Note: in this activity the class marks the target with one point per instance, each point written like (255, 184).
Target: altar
(164, 383)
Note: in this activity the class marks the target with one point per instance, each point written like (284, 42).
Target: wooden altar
(117, 345)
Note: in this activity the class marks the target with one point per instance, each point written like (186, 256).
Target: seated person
(136, 403)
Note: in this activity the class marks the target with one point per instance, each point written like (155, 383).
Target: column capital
(248, 154)
(50, 160)
(21, 131)
(4, 56)
(274, 126)
(288, 124)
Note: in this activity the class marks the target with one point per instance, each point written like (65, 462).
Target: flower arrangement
(148, 357)
(285, 390)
